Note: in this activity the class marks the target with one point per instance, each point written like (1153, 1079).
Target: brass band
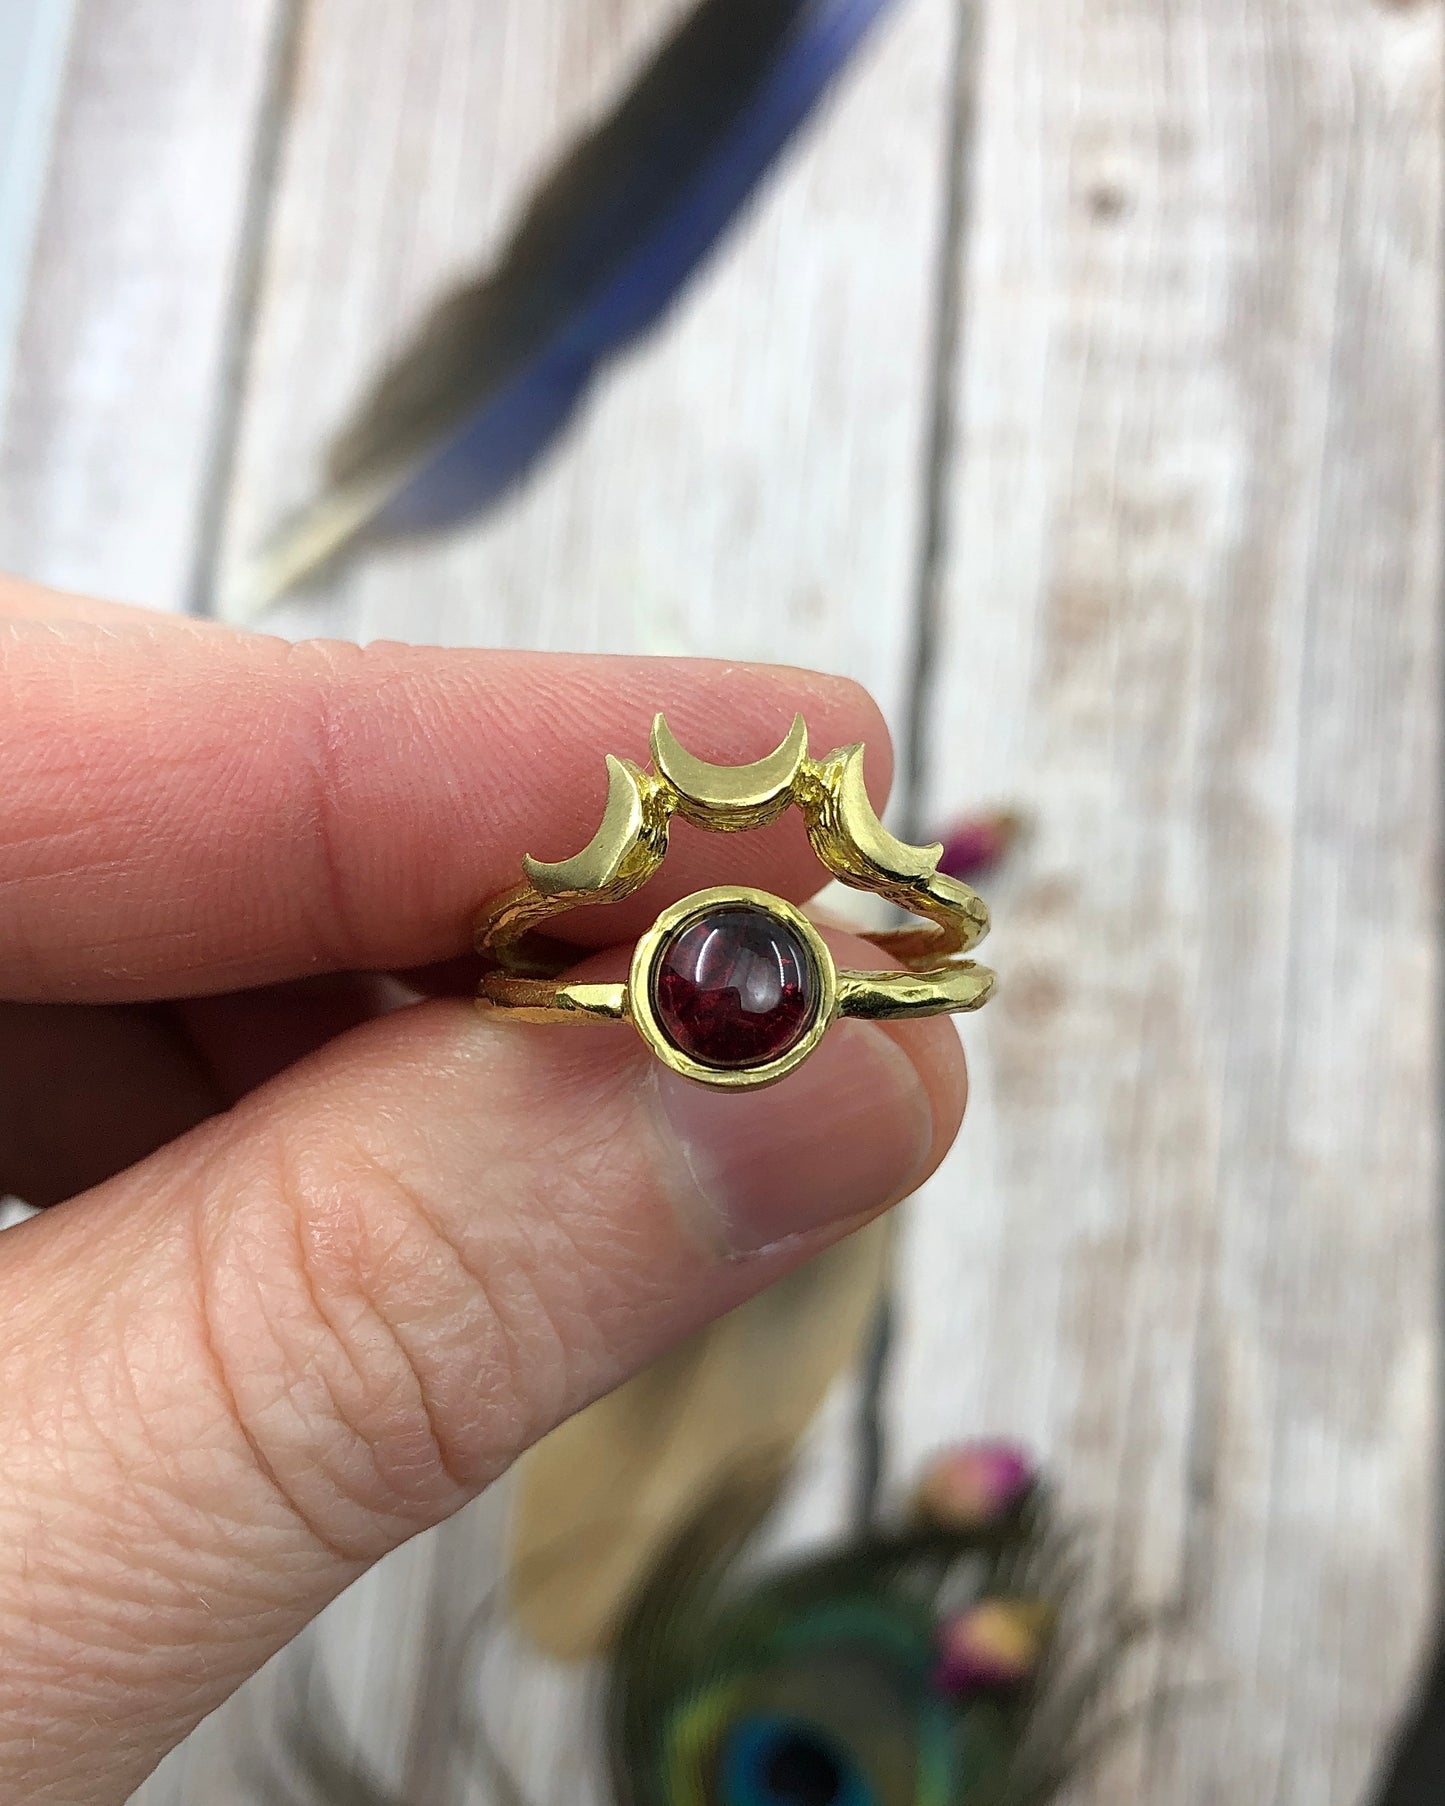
(527, 975)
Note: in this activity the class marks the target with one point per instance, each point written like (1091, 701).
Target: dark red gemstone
(734, 988)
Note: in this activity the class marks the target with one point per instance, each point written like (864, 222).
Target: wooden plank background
(34, 41)
(1077, 385)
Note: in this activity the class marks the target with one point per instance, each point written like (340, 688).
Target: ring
(731, 986)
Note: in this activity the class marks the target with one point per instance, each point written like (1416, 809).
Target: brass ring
(731, 986)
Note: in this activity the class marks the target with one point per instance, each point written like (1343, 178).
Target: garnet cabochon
(735, 988)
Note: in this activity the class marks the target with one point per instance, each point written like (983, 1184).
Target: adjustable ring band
(732, 986)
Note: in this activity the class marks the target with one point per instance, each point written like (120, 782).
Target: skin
(327, 1250)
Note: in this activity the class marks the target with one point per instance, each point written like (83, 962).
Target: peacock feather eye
(772, 1761)
(831, 1708)
(917, 1666)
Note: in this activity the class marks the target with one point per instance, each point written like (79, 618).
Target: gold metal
(651, 946)
(630, 844)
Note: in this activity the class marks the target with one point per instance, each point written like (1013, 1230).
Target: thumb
(241, 1372)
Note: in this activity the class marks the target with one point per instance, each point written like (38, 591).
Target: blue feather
(609, 242)
(488, 453)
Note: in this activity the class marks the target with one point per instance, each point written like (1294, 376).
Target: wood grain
(1188, 526)
(119, 376)
(34, 41)
(1190, 620)
(746, 485)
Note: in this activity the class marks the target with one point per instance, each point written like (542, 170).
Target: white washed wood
(34, 39)
(118, 375)
(1204, 270)
(1189, 1244)
(746, 486)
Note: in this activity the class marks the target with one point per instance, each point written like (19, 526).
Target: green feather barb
(930, 1665)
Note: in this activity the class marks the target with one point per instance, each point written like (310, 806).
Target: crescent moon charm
(867, 835)
(600, 863)
(730, 797)
(731, 986)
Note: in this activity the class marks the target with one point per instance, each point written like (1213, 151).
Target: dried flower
(993, 1646)
(975, 846)
(976, 1485)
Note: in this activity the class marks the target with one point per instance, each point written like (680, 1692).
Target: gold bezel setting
(527, 978)
(653, 945)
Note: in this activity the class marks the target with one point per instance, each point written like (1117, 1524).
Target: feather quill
(610, 238)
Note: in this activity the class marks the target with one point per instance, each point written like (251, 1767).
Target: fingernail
(840, 1138)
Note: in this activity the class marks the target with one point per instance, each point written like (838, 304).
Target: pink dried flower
(992, 1647)
(976, 1485)
(976, 845)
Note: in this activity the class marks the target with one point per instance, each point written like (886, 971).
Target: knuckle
(379, 1377)
(327, 669)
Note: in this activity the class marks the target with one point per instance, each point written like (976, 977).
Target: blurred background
(1074, 381)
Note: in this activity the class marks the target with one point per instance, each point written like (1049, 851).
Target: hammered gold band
(526, 977)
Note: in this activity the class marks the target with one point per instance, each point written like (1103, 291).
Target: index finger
(189, 811)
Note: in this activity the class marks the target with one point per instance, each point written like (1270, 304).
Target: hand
(334, 1263)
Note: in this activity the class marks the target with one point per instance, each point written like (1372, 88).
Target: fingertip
(932, 1045)
(395, 789)
(724, 712)
(838, 710)
(935, 1049)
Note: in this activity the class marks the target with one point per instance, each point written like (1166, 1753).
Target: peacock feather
(919, 1666)
(934, 1663)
